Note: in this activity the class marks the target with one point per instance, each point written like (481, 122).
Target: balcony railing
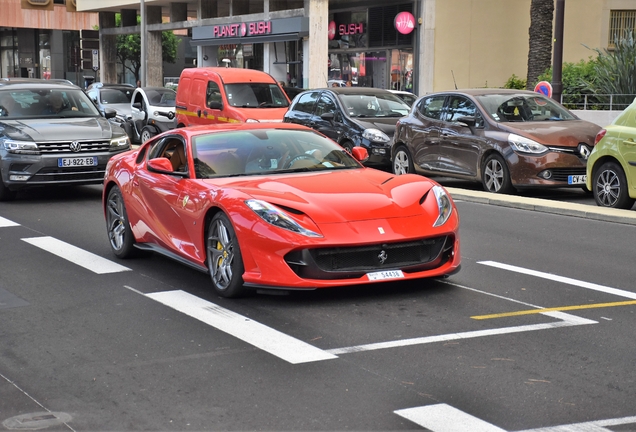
(616, 102)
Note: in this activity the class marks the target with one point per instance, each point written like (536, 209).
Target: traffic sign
(545, 88)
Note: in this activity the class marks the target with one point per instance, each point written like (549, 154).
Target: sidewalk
(547, 206)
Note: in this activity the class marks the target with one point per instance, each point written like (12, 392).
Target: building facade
(415, 45)
(41, 40)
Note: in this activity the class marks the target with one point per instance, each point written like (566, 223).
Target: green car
(611, 168)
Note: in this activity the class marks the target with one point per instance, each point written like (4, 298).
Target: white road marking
(78, 256)
(593, 426)
(266, 338)
(7, 223)
(445, 418)
(568, 321)
(561, 279)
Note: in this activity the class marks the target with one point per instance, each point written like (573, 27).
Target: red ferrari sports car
(276, 206)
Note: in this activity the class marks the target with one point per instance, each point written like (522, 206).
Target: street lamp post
(557, 61)
(143, 56)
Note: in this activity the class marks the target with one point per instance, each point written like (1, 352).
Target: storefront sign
(350, 29)
(331, 30)
(242, 29)
(404, 22)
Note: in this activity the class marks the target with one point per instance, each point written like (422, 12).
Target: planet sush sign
(404, 22)
(242, 29)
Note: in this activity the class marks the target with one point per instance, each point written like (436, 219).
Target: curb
(627, 217)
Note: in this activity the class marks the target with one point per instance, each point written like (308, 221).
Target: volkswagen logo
(76, 146)
(584, 150)
(382, 257)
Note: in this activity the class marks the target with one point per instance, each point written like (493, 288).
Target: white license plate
(384, 275)
(577, 179)
(77, 162)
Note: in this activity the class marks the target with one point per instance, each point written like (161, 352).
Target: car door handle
(629, 142)
(199, 113)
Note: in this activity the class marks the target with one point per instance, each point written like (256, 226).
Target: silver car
(52, 134)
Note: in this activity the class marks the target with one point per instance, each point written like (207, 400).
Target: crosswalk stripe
(78, 256)
(7, 223)
(445, 418)
(259, 335)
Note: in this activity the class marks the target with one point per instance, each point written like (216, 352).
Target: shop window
(382, 21)
(621, 23)
(278, 5)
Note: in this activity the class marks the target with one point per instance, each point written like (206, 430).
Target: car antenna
(454, 82)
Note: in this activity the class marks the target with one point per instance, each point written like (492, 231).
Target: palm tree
(540, 49)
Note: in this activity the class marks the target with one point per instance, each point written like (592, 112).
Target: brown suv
(506, 139)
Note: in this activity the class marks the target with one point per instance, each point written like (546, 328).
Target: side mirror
(328, 116)
(360, 153)
(160, 165)
(468, 121)
(137, 105)
(110, 113)
(215, 105)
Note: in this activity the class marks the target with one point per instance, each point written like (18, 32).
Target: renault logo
(76, 146)
(382, 257)
(585, 151)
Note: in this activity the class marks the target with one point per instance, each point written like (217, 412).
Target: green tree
(616, 71)
(578, 80)
(540, 40)
(129, 48)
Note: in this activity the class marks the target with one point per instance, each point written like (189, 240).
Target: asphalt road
(88, 342)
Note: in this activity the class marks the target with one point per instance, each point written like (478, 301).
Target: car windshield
(39, 102)
(161, 97)
(115, 95)
(369, 105)
(256, 95)
(523, 107)
(266, 151)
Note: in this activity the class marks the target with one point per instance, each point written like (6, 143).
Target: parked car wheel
(402, 161)
(225, 262)
(348, 146)
(146, 134)
(610, 187)
(120, 235)
(496, 177)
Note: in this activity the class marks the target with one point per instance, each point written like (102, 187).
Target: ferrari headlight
(119, 142)
(277, 217)
(375, 135)
(525, 145)
(443, 205)
(21, 147)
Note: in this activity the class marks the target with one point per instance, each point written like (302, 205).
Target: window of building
(621, 22)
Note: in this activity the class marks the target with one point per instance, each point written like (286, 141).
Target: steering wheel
(304, 156)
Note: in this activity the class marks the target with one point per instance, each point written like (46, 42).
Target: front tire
(146, 134)
(120, 234)
(402, 162)
(496, 177)
(225, 262)
(609, 186)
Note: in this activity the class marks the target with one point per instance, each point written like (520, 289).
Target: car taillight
(599, 135)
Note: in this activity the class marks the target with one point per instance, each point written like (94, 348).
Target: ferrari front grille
(355, 261)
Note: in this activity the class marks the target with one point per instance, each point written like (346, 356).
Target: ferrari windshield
(523, 107)
(40, 103)
(370, 105)
(256, 95)
(266, 151)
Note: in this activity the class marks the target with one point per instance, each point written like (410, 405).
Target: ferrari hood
(61, 129)
(341, 195)
(568, 133)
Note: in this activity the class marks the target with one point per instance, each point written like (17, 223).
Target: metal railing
(615, 102)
